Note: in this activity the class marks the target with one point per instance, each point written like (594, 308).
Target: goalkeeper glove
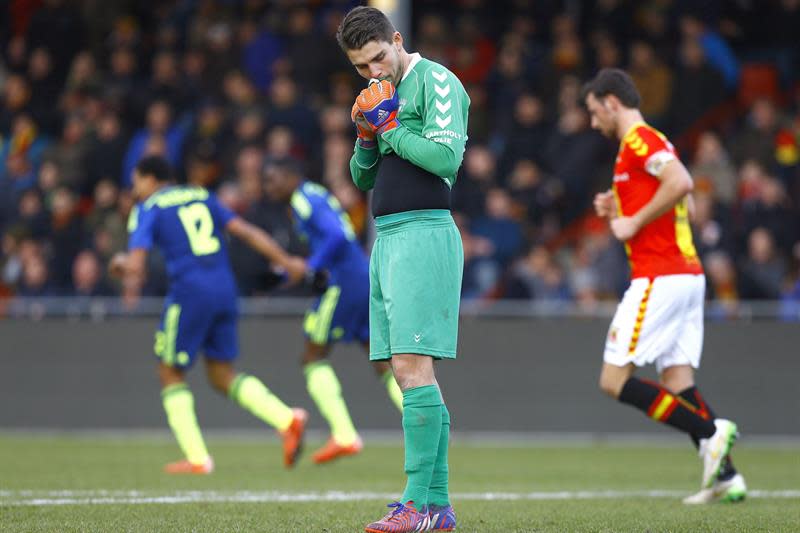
(379, 105)
(366, 137)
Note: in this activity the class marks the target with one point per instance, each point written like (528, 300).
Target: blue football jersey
(186, 224)
(321, 221)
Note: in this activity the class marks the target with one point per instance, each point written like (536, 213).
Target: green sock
(422, 426)
(179, 405)
(395, 394)
(325, 390)
(251, 394)
(439, 493)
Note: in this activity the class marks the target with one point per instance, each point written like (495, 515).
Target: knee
(220, 379)
(218, 383)
(168, 375)
(410, 375)
(313, 353)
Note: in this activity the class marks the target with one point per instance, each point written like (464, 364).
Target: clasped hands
(375, 112)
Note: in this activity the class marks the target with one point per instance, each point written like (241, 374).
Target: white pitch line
(106, 497)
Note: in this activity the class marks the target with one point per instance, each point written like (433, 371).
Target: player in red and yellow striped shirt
(660, 318)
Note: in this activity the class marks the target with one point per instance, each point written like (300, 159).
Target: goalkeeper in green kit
(412, 124)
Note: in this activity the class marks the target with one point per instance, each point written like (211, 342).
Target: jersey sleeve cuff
(366, 158)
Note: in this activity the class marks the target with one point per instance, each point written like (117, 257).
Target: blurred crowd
(218, 87)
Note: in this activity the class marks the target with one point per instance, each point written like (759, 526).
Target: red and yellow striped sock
(663, 406)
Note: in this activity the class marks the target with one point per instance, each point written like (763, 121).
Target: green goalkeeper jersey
(432, 134)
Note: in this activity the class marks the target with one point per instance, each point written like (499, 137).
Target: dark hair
(155, 166)
(613, 81)
(361, 25)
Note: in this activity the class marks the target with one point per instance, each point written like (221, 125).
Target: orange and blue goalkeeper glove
(366, 137)
(379, 105)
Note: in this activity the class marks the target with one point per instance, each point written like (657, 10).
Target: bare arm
(261, 242)
(675, 184)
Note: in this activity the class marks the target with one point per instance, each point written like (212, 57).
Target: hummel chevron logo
(417, 337)
(440, 76)
(443, 122)
(442, 91)
(443, 107)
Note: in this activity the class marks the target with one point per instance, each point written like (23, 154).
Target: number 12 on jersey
(199, 226)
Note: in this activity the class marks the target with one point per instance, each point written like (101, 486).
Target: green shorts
(415, 285)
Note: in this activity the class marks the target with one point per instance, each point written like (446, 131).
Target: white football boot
(714, 449)
(731, 491)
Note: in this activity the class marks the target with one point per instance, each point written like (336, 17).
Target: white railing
(106, 308)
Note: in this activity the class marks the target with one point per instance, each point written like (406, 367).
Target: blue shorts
(191, 323)
(342, 313)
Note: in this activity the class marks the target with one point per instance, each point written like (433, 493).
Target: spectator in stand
(159, 123)
(21, 155)
(537, 277)
(16, 100)
(67, 236)
(240, 94)
(87, 276)
(722, 286)
(696, 90)
(35, 279)
(83, 73)
(528, 135)
(479, 175)
(45, 88)
(165, 83)
(509, 78)
(431, 37)
(770, 209)
(471, 55)
(653, 79)
(500, 228)
(479, 273)
(105, 216)
(289, 110)
(195, 78)
(607, 53)
(712, 227)
(480, 121)
(756, 139)
(107, 148)
(310, 53)
(715, 48)
(33, 218)
(260, 48)
(536, 196)
(281, 143)
(576, 157)
(712, 163)
(69, 154)
(763, 270)
(121, 83)
(209, 132)
(58, 27)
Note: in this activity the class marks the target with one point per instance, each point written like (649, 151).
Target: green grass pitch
(86, 484)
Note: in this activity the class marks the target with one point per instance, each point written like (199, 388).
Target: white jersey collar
(415, 57)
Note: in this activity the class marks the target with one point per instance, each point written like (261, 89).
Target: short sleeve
(141, 225)
(650, 149)
(221, 214)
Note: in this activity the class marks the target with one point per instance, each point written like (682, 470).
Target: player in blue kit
(342, 313)
(200, 311)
